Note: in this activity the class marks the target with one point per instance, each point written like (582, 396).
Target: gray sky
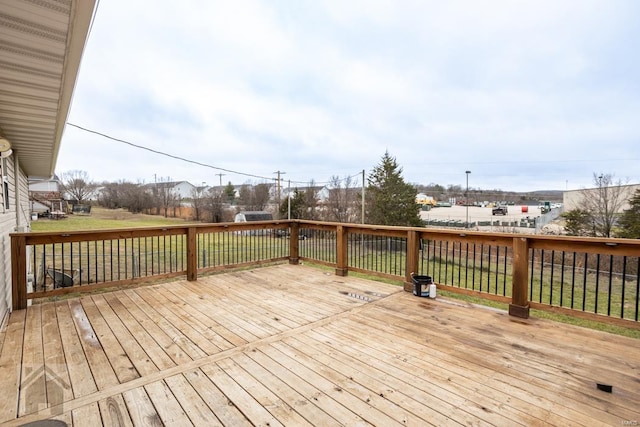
(527, 95)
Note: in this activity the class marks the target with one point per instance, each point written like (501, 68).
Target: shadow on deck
(294, 345)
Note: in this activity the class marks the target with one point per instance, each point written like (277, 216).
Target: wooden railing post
(413, 249)
(19, 272)
(519, 306)
(342, 265)
(192, 254)
(294, 244)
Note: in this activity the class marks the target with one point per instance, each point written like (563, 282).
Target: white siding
(7, 225)
(17, 215)
(46, 186)
(184, 189)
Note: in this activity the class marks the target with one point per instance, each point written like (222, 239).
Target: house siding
(7, 225)
(15, 218)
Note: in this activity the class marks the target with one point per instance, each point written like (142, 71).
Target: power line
(195, 162)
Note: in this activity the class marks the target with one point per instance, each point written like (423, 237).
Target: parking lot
(481, 218)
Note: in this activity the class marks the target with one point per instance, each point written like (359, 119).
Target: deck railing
(592, 278)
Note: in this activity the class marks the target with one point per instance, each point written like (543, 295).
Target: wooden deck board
(552, 373)
(293, 345)
(10, 365)
(55, 367)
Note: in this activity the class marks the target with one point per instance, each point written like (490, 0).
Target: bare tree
(215, 207)
(77, 185)
(262, 197)
(254, 197)
(127, 195)
(604, 203)
(198, 201)
(342, 200)
(164, 195)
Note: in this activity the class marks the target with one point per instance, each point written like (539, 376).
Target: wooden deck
(294, 345)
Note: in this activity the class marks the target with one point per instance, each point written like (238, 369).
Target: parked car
(284, 232)
(499, 210)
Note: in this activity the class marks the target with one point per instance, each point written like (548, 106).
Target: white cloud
(543, 91)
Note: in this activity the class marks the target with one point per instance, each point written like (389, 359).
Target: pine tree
(629, 223)
(390, 200)
(299, 207)
(230, 192)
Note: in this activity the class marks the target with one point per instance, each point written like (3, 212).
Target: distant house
(45, 185)
(38, 77)
(321, 192)
(179, 189)
(45, 196)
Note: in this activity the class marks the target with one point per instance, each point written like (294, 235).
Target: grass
(101, 219)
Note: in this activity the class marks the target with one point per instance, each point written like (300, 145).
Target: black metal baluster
(473, 271)
(504, 276)
(497, 272)
(573, 279)
(584, 281)
(541, 274)
(595, 310)
(610, 285)
(637, 289)
(95, 260)
(111, 259)
(482, 263)
(624, 282)
(460, 266)
(466, 267)
(532, 253)
(562, 262)
(446, 261)
(553, 265)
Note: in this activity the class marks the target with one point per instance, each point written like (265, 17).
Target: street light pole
(466, 201)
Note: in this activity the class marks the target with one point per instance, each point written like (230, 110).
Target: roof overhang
(41, 44)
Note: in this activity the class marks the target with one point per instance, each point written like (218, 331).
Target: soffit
(41, 43)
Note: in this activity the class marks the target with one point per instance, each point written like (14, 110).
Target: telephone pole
(220, 175)
(278, 196)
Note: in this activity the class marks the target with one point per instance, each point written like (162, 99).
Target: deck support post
(18, 272)
(192, 254)
(294, 257)
(342, 265)
(413, 249)
(519, 306)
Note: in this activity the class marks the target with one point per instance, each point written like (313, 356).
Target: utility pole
(220, 175)
(289, 200)
(363, 187)
(466, 196)
(279, 194)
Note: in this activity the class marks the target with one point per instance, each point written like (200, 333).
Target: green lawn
(101, 219)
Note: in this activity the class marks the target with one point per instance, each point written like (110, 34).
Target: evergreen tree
(629, 223)
(230, 192)
(390, 200)
(298, 206)
(579, 222)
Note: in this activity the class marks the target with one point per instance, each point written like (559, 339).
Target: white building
(179, 189)
(573, 199)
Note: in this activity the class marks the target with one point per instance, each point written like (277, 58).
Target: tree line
(388, 200)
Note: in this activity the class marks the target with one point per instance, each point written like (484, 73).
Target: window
(4, 180)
